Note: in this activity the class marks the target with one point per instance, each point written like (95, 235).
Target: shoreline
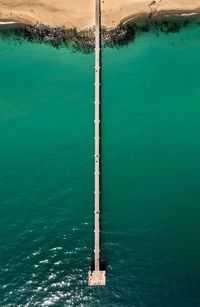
(153, 14)
(161, 15)
(83, 39)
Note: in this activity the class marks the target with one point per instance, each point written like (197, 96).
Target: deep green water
(150, 174)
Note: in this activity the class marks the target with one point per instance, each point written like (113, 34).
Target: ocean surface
(150, 173)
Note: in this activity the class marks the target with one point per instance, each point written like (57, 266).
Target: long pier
(97, 277)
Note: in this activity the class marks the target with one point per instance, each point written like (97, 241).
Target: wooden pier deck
(97, 277)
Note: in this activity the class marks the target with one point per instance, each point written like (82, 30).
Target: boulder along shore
(70, 23)
(84, 39)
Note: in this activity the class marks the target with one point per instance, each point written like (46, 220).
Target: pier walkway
(97, 277)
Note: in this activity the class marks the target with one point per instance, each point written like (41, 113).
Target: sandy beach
(80, 13)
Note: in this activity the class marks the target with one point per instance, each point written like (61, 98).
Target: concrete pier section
(97, 277)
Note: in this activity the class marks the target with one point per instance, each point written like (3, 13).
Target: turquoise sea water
(150, 173)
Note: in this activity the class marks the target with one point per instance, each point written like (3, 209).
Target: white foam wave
(188, 14)
(6, 22)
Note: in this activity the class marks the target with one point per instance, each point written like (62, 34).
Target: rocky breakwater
(82, 40)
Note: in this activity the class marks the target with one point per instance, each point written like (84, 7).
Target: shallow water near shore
(150, 173)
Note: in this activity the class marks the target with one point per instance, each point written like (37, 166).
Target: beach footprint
(153, 7)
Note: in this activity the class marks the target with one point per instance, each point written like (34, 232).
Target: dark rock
(84, 40)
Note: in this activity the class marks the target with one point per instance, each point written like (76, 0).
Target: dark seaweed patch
(83, 40)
